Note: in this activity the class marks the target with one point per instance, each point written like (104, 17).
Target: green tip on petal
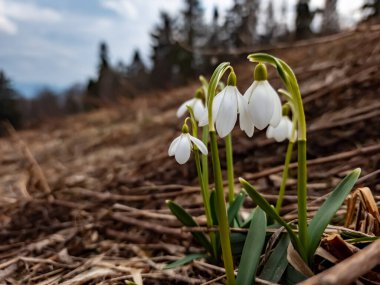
(231, 81)
(260, 73)
(185, 129)
(199, 94)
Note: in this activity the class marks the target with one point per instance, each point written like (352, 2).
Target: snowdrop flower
(264, 104)
(196, 104)
(181, 146)
(282, 131)
(225, 108)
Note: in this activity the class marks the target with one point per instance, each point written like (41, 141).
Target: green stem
(302, 162)
(230, 169)
(284, 177)
(290, 81)
(206, 200)
(302, 192)
(205, 158)
(224, 228)
(285, 173)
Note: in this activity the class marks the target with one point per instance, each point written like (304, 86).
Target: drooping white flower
(225, 108)
(264, 104)
(181, 147)
(196, 104)
(282, 131)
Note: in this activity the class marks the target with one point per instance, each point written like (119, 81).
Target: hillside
(83, 199)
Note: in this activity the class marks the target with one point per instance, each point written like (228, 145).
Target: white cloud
(123, 8)
(12, 12)
(29, 12)
(7, 26)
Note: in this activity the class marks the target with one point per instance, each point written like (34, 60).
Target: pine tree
(241, 23)
(9, 107)
(330, 19)
(270, 23)
(373, 6)
(163, 49)
(192, 37)
(137, 72)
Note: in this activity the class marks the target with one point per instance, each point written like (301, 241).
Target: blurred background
(65, 57)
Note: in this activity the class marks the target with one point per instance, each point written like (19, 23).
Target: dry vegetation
(82, 200)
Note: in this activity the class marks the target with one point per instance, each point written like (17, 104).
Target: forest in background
(182, 46)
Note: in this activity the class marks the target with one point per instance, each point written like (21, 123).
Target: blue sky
(55, 42)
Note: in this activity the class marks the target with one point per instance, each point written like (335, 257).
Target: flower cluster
(259, 107)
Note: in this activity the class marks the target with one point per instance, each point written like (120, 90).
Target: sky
(55, 43)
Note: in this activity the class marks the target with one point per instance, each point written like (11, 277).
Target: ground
(83, 199)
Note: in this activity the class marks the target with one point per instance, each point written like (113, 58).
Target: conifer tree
(9, 107)
(330, 19)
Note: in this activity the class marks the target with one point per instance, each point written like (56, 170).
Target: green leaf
(292, 276)
(186, 219)
(237, 243)
(276, 265)
(185, 260)
(235, 206)
(271, 212)
(253, 246)
(326, 212)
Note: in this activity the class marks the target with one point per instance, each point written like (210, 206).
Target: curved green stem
(224, 228)
(290, 81)
(230, 169)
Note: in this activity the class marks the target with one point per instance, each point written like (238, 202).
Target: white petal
(198, 109)
(290, 126)
(173, 146)
(248, 93)
(280, 132)
(183, 108)
(261, 106)
(245, 120)
(277, 112)
(227, 114)
(183, 150)
(201, 146)
(216, 104)
(270, 132)
(203, 121)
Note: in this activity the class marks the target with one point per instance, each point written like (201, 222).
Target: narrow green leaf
(185, 260)
(252, 248)
(186, 219)
(235, 206)
(271, 212)
(326, 212)
(276, 265)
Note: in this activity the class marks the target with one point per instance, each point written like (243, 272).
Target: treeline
(182, 46)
